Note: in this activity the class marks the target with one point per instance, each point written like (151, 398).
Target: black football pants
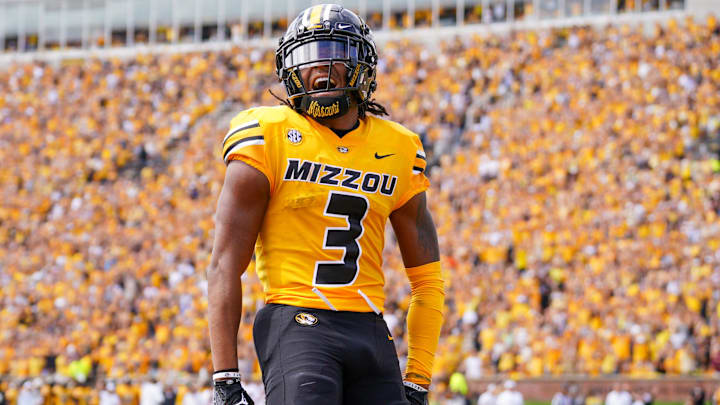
(322, 357)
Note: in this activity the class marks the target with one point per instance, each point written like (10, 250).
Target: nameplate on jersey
(331, 175)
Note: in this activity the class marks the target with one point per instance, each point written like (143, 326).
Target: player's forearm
(240, 212)
(224, 313)
(417, 238)
(425, 318)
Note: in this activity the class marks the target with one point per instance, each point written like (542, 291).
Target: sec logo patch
(294, 137)
(305, 319)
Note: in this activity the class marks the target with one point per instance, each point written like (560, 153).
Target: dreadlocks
(372, 107)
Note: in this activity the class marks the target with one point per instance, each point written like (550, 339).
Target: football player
(310, 186)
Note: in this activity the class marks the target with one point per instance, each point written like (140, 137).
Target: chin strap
(326, 106)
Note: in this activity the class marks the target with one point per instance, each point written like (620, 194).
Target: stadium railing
(428, 34)
(41, 25)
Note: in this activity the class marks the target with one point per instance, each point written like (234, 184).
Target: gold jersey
(322, 238)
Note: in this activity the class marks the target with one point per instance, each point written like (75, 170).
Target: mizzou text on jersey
(321, 242)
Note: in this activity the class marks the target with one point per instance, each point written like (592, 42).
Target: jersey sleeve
(245, 141)
(418, 181)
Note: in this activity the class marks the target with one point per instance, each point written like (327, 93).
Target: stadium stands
(577, 209)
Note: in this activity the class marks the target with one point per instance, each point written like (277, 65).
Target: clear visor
(321, 51)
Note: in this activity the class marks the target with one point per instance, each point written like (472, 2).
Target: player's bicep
(415, 232)
(239, 216)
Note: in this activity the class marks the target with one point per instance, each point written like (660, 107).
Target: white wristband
(222, 375)
(414, 386)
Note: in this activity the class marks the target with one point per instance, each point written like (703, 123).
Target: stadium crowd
(575, 187)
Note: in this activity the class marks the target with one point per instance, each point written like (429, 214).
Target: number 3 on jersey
(353, 208)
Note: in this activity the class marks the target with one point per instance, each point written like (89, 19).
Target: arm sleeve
(245, 141)
(425, 318)
(418, 181)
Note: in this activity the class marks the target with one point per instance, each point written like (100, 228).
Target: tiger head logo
(305, 319)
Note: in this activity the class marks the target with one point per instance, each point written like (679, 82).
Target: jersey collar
(354, 136)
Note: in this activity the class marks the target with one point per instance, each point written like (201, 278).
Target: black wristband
(228, 376)
(227, 370)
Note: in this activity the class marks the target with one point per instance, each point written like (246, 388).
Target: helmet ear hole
(278, 65)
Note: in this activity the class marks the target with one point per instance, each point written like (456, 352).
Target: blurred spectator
(509, 395)
(697, 396)
(594, 398)
(457, 399)
(473, 366)
(716, 361)
(198, 394)
(205, 395)
(637, 398)
(459, 387)
(489, 397)
(169, 395)
(578, 397)
(30, 393)
(151, 393)
(109, 396)
(647, 398)
(563, 397)
(620, 395)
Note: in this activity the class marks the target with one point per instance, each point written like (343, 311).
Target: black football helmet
(322, 35)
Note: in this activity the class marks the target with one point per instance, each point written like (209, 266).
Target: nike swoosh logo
(343, 26)
(382, 156)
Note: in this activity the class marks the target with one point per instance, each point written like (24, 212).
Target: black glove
(227, 389)
(416, 394)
